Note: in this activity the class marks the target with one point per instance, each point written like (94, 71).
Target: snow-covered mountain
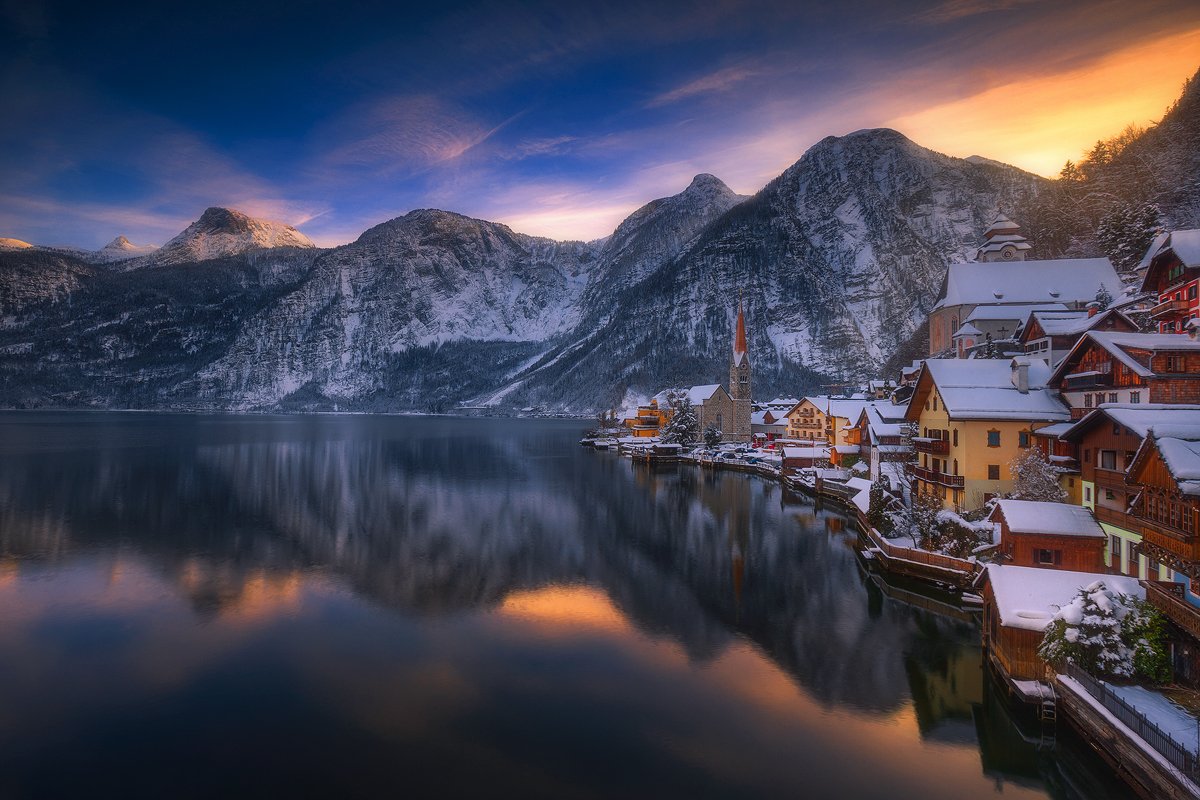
(13, 244)
(222, 232)
(121, 249)
(837, 261)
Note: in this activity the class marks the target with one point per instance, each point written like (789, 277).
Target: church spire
(739, 341)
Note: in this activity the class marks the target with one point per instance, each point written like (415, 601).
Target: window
(1174, 363)
(1108, 459)
(935, 402)
(1087, 494)
(1112, 397)
(955, 434)
(1023, 439)
(1087, 400)
(1192, 292)
(1047, 556)
(1151, 569)
(1116, 429)
(1087, 455)
(956, 466)
(993, 438)
(1135, 397)
(1109, 494)
(993, 472)
(1114, 550)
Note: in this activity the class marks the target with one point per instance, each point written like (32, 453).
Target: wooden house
(1173, 277)
(1049, 535)
(1050, 335)
(649, 419)
(1018, 605)
(794, 459)
(1133, 368)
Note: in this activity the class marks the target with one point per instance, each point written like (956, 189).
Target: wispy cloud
(952, 10)
(714, 82)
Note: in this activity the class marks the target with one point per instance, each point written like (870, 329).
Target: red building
(1049, 535)
(1174, 277)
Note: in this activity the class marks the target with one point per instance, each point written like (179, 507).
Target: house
(1173, 277)
(998, 324)
(1050, 335)
(1062, 455)
(1116, 367)
(1166, 473)
(1020, 602)
(649, 419)
(1000, 276)
(768, 425)
(827, 419)
(880, 390)
(1049, 535)
(1105, 442)
(973, 418)
(713, 406)
(794, 459)
(879, 432)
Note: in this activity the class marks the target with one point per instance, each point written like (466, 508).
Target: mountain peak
(224, 232)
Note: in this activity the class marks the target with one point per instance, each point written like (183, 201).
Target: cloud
(953, 10)
(719, 81)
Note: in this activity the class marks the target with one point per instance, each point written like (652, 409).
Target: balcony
(1092, 379)
(1169, 308)
(938, 447)
(1168, 598)
(940, 478)
(1179, 544)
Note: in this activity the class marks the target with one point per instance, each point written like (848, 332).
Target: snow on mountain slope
(13, 244)
(120, 249)
(222, 232)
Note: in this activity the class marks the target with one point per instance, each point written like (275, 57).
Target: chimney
(1021, 376)
(1093, 309)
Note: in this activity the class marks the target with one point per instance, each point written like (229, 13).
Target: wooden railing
(1114, 517)
(1177, 543)
(932, 476)
(938, 447)
(1169, 307)
(919, 556)
(1167, 597)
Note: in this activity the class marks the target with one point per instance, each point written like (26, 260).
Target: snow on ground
(1159, 709)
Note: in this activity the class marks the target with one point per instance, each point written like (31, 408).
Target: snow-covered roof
(1182, 458)
(1058, 519)
(1061, 280)
(1118, 343)
(848, 408)
(806, 452)
(985, 389)
(1186, 244)
(1028, 597)
(1153, 249)
(783, 402)
(1013, 312)
(967, 329)
(1141, 417)
(1069, 323)
(698, 394)
(1055, 430)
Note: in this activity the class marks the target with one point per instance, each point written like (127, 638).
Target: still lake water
(356, 606)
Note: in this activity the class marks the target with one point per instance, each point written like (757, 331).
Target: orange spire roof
(739, 342)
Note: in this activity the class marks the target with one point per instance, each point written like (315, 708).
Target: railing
(941, 478)
(939, 447)
(1182, 758)
(919, 556)
(1178, 543)
(1169, 307)
(1114, 517)
(1089, 380)
(1167, 597)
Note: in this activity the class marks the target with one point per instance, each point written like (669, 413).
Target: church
(728, 411)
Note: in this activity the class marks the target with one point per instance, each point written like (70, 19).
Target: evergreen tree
(880, 498)
(712, 436)
(1145, 632)
(1103, 297)
(1034, 478)
(1088, 632)
(1126, 231)
(989, 348)
(683, 428)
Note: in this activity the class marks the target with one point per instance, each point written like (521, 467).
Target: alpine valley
(837, 261)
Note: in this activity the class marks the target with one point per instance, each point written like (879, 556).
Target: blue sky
(557, 118)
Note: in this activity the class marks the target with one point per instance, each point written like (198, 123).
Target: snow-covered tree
(1034, 478)
(880, 498)
(918, 520)
(683, 428)
(1126, 231)
(1104, 297)
(712, 436)
(989, 348)
(1109, 634)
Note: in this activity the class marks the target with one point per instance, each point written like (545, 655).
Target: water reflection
(361, 604)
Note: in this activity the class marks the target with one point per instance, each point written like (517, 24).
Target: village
(1043, 463)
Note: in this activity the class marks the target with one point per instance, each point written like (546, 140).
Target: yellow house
(649, 420)
(973, 417)
(828, 419)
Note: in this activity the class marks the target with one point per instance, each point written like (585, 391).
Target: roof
(1182, 457)
(1058, 519)
(1186, 244)
(967, 329)
(1055, 430)
(1140, 417)
(984, 389)
(1022, 282)
(698, 394)
(1118, 343)
(848, 408)
(806, 452)
(783, 402)
(1028, 597)
(1153, 249)
(1073, 323)
(1015, 312)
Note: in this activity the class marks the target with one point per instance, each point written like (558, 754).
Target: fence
(1182, 758)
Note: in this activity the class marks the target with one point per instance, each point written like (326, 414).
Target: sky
(556, 118)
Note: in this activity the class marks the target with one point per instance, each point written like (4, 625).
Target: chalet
(1050, 335)
(1173, 277)
(1106, 441)
(1020, 602)
(973, 418)
(768, 425)
(649, 419)
(1000, 276)
(1049, 535)
(713, 405)
(827, 419)
(1115, 367)
(1166, 472)
(879, 433)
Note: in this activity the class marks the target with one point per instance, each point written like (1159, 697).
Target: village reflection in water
(354, 605)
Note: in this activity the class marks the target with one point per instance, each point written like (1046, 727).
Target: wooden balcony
(938, 447)
(1169, 308)
(1118, 518)
(1087, 380)
(1168, 598)
(940, 478)
(1177, 543)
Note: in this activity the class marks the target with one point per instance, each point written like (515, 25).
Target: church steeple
(739, 339)
(739, 381)
(1002, 241)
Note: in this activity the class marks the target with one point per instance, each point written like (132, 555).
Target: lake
(379, 606)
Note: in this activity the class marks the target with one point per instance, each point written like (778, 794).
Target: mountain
(222, 232)
(120, 249)
(837, 261)
(13, 244)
